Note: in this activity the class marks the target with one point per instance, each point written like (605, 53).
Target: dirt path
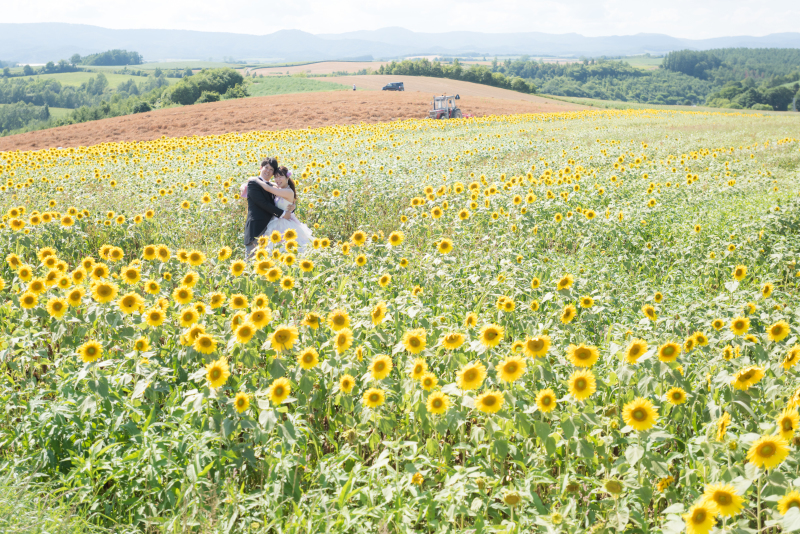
(280, 112)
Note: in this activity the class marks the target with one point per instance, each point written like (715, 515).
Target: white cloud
(680, 18)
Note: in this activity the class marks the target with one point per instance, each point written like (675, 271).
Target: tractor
(444, 107)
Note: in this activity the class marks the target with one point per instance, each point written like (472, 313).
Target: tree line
(765, 77)
(28, 102)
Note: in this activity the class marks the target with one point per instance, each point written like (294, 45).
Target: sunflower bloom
(437, 403)
(722, 426)
(583, 355)
(511, 369)
(788, 422)
(635, 350)
(338, 319)
(747, 377)
(381, 366)
(471, 376)
(283, 337)
(374, 397)
(491, 335)
(217, 373)
(699, 519)
(676, 396)
(778, 331)
(343, 340)
(415, 340)
(346, 383)
(90, 351)
(640, 414)
(489, 402)
(537, 346)
(452, 340)
(582, 384)
(789, 501)
(279, 390)
(546, 400)
(308, 358)
(241, 402)
(768, 452)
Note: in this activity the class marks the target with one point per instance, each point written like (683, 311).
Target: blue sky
(680, 18)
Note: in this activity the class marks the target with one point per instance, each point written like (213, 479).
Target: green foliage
(110, 57)
(17, 115)
(189, 89)
(237, 91)
(735, 64)
(208, 96)
(476, 73)
(737, 95)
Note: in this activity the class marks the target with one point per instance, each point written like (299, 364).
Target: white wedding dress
(280, 224)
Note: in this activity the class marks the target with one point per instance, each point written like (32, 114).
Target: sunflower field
(578, 322)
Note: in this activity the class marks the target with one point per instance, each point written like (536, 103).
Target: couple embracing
(271, 200)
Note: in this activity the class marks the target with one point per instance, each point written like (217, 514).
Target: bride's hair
(283, 171)
(272, 162)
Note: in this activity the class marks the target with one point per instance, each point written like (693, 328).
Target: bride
(285, 194)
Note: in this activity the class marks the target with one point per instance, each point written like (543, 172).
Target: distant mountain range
(42, 42)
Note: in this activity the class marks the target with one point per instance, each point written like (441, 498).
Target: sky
(693, 19)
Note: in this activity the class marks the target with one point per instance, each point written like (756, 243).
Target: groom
(260, 207)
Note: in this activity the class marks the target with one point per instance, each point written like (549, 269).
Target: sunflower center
(669, 351)
(547, 401)
(469, 376)
(583, 354)
(417, 369)
(489, 401)
(380, 366)
(374, 397)
(414, 342)
(281, 337)
(722, 498)
(766, 450)
(491, 335)
(437, 403)
(338, 321)
(279, 391)
(216, 373)
(635, 350)
(308, 358)
(676, 395)
(786, 424)
(341, 340)
(580, 384)
(511, 368)
(639, 414)
(699, 516)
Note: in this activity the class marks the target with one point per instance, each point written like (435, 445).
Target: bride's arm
(286, 194)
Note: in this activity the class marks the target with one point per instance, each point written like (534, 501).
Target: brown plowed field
(440, 86)
(280, 112)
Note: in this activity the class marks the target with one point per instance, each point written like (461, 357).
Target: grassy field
(644, 62)
(568, 323)
(289, 84)
(616, 104)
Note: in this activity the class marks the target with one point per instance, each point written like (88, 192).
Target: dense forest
(25, 103)
(735, 77)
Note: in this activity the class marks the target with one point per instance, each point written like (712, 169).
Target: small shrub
(208, 96)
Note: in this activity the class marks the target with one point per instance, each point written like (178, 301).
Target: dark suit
(261, 209)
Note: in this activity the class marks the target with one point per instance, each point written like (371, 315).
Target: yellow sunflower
(241, 402)
(374, 397)
(279, 390)
(568, 313)
(511, 369)
(471, 376)
(283, 337)
(699, 519)
(722, 425)
(636, 348)
(438, 402)
(583, 355)
(378, 313)
(428, 381)
(789, 501)
(346, 383)
(415, 340)
(381, 366)
(768, 452)
(669, 352)
(788, 422)
(565, 282)
(791, 358)
(452, 340)
(640, 414)
(338, 319)
(676, 396)
(308, 358)
(536, 347)
(90, 351)
(649, 312)
(582, 384)
(546, 400)
(217, 373)
(747, 377)
(489, 402)
(739, 272)
(491, 335)
(343, 340)
(418, 369)
(778, 331)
